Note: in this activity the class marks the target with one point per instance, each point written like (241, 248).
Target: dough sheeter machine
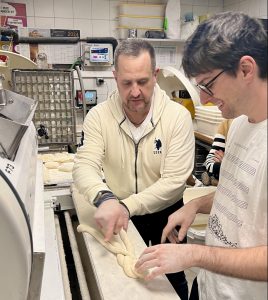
(42, 256)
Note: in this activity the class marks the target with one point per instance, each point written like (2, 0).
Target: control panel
(98, 54)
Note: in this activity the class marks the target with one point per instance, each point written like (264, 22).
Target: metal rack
(54, 117)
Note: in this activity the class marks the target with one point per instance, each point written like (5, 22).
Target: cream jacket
(148, 176)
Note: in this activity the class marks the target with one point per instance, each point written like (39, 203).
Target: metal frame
(54, 91)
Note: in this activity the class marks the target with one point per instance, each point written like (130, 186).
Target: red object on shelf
(3, 58)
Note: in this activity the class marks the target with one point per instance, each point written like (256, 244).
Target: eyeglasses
(205, 88)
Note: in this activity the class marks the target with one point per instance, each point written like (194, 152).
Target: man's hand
(183, 218)
(111, 216)
(164, 259)
(218, 156)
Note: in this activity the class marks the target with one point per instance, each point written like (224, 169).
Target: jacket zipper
(136, 158)
(136, 173)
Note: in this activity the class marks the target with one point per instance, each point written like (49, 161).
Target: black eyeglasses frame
(204, 88)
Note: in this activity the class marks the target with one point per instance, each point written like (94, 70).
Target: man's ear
(156, 72)
(115, 75)
(248, 66)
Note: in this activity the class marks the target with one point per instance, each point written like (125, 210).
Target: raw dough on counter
(51, 164)
(63, 157)
(66, 167)
(123, 249)
(47, 157)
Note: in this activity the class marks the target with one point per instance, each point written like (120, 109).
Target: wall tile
(82, 9)
(30, 22)
(214, 9)
(200, 10)
(203, 3)
(61, 23)
(185, 9)
(43, 8)
(29, 8)
(263, 9)
(133, 1)
(46, 23)
(244, 6)
(100, 28)
(232, 7)
(216, 3)
(85, 27)
(156, 1)
(113, 29)
(187, 2)
(100, 10)
(230, 2)
(63, 8)
(114, 10)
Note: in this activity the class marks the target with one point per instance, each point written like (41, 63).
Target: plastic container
(142, 9)
(144, 22)
(209, 117)
(206, 126)
(208, 110)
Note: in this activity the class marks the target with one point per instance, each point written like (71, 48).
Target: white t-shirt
(238, 218)
(137, 132)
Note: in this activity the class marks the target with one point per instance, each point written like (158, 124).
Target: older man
(144, 143)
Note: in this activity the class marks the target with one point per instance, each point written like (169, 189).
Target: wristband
(102, 197)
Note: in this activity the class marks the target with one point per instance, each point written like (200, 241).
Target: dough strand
(123, 249)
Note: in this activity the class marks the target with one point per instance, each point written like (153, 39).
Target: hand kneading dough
(66, 167)
(124, 252)
(52, 165)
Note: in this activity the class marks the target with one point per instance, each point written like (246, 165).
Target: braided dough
(123, 249)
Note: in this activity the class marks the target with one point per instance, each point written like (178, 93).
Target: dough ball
(62, 157)
(71, 156)
(47, 157)
(52, 165)
(66, 167)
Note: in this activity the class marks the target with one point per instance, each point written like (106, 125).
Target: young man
(144, 143)
(227, 56)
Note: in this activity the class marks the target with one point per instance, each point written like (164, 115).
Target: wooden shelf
(160, 40)
(165, 40)
(204, 138)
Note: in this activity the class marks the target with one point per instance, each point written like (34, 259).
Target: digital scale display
(99, 54)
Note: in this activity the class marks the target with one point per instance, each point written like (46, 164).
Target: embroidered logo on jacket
(157, 146)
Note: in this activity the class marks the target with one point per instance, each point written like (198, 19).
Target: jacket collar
(115, 105)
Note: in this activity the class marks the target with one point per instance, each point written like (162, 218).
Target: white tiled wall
(99, 17)
(257, 8)
(96, 18)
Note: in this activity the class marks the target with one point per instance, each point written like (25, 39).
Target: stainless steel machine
(20, 209)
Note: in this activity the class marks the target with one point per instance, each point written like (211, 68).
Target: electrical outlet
(99, 81)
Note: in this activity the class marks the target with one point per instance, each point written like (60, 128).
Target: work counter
(108, 280)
